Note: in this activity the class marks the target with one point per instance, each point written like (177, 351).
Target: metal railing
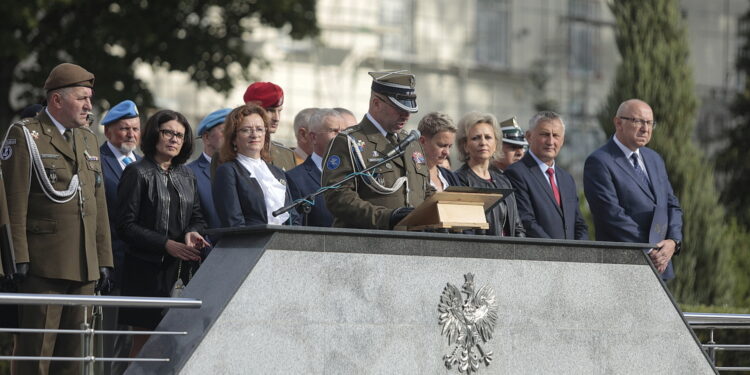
(714, 321)
(87, 332)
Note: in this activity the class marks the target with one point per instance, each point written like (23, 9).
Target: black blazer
(450, 176)
(540, 214)
(143, 208)
(304, 179)
(506, 211)
(239, 199)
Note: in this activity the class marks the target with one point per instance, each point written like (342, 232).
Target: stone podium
(299, 300)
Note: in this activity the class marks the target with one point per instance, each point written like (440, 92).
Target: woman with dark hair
(246, 188)
(477, 143)
(159, 217)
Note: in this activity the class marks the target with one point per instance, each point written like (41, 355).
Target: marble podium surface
(295, 300)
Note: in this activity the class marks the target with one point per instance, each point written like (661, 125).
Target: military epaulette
(25, 121)
(278, 144)
(349, 129)
(87, 129)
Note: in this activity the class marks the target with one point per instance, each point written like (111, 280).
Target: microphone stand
(308, 201)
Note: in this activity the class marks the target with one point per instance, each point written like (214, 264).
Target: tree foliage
(732, 161)
(652, 41)
(205, 38)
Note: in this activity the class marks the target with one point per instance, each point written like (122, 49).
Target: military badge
(6, 152)
(375, 153)
(52, 175)
(35, 134)
(417, 157)
(89, 157)
(468, 323)
(361, 145)
(333, 162)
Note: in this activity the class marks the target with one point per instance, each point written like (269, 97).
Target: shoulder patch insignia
(417, 157)
(6, 152)
(333, 162)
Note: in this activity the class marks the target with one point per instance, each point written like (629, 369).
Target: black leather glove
(398, 214)
(106, 280)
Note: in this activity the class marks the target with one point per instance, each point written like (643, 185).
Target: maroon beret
(68, 75)
(265, 94)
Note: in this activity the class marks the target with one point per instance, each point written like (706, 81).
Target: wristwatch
(677, 246)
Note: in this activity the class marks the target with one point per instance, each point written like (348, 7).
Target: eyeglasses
(169, 134)
(249, 130)
(640, 122)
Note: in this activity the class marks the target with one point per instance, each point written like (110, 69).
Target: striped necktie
(638, 170)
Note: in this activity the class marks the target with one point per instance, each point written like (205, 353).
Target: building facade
(507, 57)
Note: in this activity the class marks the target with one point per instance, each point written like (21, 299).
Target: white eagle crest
(468, 323)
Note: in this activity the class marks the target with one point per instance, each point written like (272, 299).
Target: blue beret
(213, 119)
(123, 109)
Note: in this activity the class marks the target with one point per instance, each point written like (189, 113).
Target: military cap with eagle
(512, 133)
(398, 86)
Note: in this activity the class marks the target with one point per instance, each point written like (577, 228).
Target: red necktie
(555, 191)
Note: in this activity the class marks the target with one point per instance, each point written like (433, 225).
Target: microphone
(413, 136)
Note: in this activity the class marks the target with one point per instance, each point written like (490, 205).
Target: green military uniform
(66, 243)
(282, 157)
(356, 204)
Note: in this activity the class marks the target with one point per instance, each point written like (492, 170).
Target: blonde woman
(477, 142)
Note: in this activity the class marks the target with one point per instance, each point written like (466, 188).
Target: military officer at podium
(58, 212)
(382, 199)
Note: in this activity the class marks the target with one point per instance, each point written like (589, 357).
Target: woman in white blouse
(247, 188)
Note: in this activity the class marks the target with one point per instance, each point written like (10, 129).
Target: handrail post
(711, 349)
(86, 338)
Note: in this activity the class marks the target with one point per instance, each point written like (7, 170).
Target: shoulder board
(29, 121)
(280, 145)
(349, 130)
(86, 128)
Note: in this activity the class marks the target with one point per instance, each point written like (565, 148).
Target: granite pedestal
(285, 300)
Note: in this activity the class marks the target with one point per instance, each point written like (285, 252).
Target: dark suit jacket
(624, 208)
(540, 214)
(239, 199)
(304, 179)
(112, 172)
(202, 169)
(450, 176)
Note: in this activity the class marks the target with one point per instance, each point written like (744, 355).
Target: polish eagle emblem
(468, 324)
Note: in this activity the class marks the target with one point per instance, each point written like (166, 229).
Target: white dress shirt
(628, 152)
(119, 155)
(273, 190)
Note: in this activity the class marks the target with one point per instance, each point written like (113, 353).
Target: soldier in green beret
(381, 200)
(58, 215)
